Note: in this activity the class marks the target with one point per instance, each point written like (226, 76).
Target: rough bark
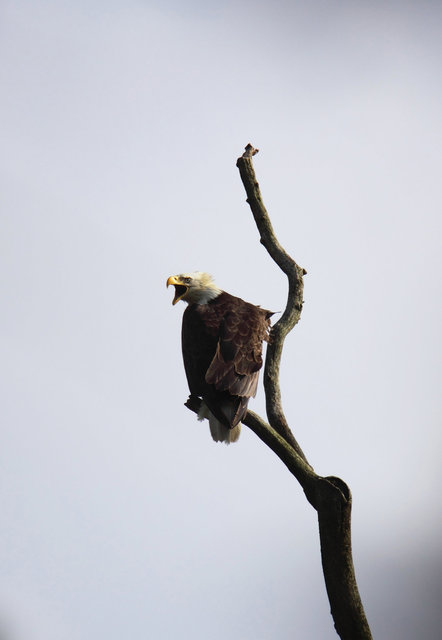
(330, 496)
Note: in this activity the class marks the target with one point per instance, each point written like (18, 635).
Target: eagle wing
(238, 356)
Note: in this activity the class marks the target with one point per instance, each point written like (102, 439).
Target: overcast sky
(120, 126)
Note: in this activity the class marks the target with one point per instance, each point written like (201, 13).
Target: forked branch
(330, 496)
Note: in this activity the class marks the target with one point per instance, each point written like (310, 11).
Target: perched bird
(222, 338)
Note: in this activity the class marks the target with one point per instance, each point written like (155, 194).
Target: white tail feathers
(220, 433)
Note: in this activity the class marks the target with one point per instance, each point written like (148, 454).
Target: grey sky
(120, 127)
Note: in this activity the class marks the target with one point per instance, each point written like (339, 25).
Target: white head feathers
(194, 288)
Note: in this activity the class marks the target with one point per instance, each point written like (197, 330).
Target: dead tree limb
(293, 309)
(330, 496)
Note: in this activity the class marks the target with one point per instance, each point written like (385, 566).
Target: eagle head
(193, 288)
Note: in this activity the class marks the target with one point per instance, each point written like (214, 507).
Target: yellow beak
(172, 280)
(180, 288)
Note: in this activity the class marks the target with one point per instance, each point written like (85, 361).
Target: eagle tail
(219, 431)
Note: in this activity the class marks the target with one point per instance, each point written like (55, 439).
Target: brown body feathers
(222, 352)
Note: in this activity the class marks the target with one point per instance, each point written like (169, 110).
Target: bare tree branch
(293, 309)
(330, 496)
(293, 461)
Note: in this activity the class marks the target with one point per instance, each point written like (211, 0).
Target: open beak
(180, 288)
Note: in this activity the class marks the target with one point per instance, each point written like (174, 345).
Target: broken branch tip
(250, 151)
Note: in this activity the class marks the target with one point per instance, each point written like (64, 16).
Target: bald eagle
(222, 338)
